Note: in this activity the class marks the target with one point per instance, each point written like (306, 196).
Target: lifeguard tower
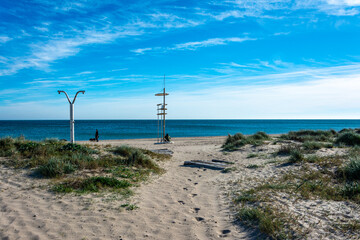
(161, 116)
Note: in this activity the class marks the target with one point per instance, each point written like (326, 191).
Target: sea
(135, 129)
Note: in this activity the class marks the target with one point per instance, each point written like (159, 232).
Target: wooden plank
(212, 163)
(163, 151)
(200, 163)
(161, 113)
(161, 94)
(222, 161)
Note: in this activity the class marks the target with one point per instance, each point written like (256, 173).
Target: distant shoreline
(145, 129)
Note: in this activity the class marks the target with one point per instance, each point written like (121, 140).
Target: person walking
(97, 135)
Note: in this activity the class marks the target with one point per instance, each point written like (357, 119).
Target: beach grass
(308, 176)
(64, 161)
(348, 138)
(310, 135)
(92, 184)
(234, 142)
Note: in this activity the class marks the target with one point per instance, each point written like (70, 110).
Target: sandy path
(183, 203)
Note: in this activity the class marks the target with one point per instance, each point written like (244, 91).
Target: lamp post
(72, 129)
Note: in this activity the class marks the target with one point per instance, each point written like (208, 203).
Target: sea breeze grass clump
(238, 140)
(116, 168)
(310, 135)
(315, 172)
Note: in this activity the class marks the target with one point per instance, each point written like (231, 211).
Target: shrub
(124, 151)
(260, 136)
(249, 216)
(287, 149)
(7, 147)
(136, 157)
(346, 130)
(352, 169)
(27, 147)
(55, 167)
(349, 139)
(92, 184)
(296, 156)
(267, 220)
(310, 145)
(73, 147)
(239, 140)
(309, 135)
(351, 190)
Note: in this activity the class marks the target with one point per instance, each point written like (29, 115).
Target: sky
(223, 59)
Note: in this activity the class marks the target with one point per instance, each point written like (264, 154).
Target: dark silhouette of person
(167, 138)
(97, 135)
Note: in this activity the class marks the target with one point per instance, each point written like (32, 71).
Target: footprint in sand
(196, 183)
(194, 195)
(181, 202)
(185, 189)
(224, 233)
(199, 219)
(196, 210)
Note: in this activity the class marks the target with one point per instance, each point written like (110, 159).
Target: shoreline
(173, 139)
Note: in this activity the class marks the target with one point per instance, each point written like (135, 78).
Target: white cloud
(4, 39)
(209, 42)
(331, 97)
(85, 73)
(195, 45)
(42, 29)
(344, 2)
(341, 11)
(141, 50)
(281, 33)
(281, 8)
(45, 53)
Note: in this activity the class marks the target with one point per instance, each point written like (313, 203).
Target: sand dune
(183, 203)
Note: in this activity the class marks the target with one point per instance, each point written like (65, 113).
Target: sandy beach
(183, 203)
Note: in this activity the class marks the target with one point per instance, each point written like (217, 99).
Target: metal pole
(72, 122)
(157, 113)
(72, 127)
(164, 116)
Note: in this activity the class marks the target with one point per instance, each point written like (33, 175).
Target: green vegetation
(238, 140)
(328, 177)
(311, 145)
(288, 149)
(271, 222)
(52, 158)
(56, 167)
(28, 154)
(252, 166)
(352, 169)
(92, 184)
(310, 135)
(296, 156)
(136, 157)
(129, 207)
(252, 155)
(227, 170)
(349, 139)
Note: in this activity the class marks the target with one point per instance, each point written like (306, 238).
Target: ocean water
(132, 129)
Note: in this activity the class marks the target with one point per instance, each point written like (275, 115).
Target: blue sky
(222, 59)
